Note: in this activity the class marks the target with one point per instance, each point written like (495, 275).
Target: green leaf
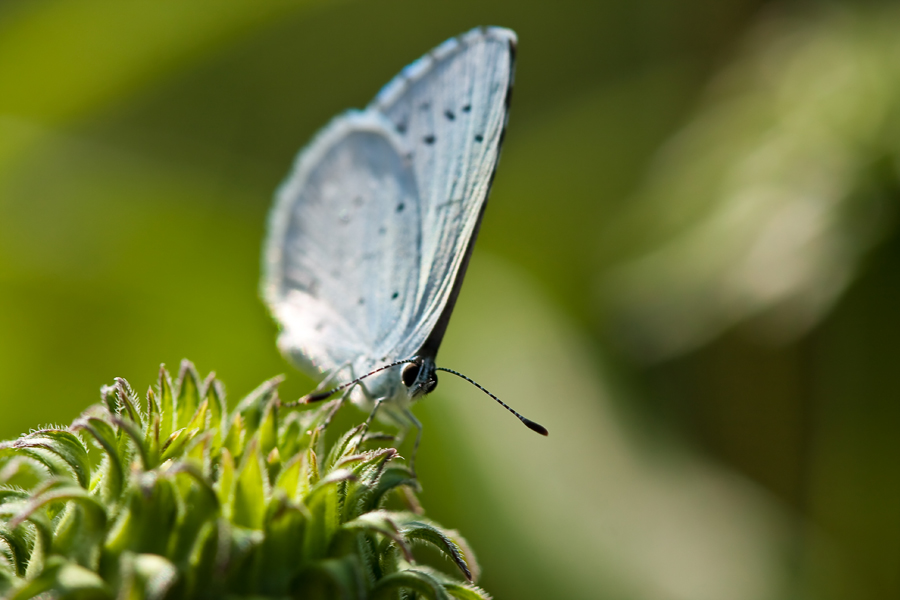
(345, 446)
(128, 402)
(105, 436)
(293, 479)
(324, 507)
(152, 404)
(146, 576)
(268, 427)
(166, 402)
(214, 394)
(108, 399)
(292, 434)
(94, 509)
(391, 478)
(19, 546)
(382, 523)
(250, 490)
(7, 581)
(463, 591)
(81, 527)
(13, 503)
(198, 452)
(344, 574)
(198, 421)
(65, 580)
(417, 529)
(312, 459)
(23, 472)
(239, 563)
(132, 431)
(177, 443)
(301, 430)
(329, 480)
(62, 443)
(148, 519)
(236, 437)
(225, 484)
(151, 440)
(198, 506)
(190, 470)
(251, 408)
(273, 464)
(368, 469)
(202, 560)
(418, 581)
(11, 494)
(50, 461)
(280, 553)
(466, 591)
(188, 399)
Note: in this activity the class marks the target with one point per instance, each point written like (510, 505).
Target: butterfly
(371, 233)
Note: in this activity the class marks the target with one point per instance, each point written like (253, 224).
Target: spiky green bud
(183, 499)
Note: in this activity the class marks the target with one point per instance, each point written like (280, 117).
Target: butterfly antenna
(319, 396)
(528, 422)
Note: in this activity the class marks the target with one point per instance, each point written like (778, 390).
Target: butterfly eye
(409, 374)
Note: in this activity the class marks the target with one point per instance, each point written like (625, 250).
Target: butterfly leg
(418, 425)
(332, 376)
(378, 403)
(337, 404)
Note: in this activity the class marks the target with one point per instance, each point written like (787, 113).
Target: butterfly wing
(371, 233)
(342, 257)
(451, 108)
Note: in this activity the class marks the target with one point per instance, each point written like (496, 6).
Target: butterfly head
(419, 377)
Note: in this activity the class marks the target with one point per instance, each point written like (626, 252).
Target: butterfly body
(371, 233)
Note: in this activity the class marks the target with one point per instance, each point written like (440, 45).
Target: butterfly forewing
(451, 108)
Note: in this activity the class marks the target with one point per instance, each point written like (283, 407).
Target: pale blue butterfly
(372, 231)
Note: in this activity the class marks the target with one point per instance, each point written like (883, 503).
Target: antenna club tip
(316, 397)
(536, 427)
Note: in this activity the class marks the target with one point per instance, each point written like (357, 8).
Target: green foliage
(182, 499)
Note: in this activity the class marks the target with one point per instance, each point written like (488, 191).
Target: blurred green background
(689, 270)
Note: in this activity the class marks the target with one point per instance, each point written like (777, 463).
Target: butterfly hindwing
(344, 247)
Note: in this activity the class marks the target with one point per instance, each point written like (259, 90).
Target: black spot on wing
(395, 295)
(400, 127)
(479, 138)
(467, 108)
(428, 139)
(449, 114)
(400, 208)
